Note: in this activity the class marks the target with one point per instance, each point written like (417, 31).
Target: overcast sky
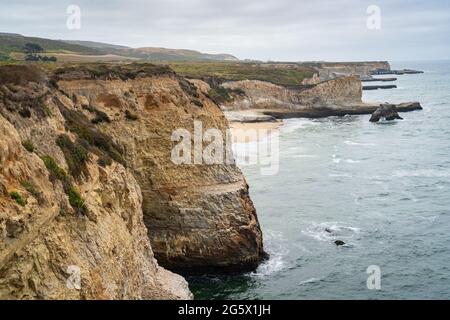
(288, 30)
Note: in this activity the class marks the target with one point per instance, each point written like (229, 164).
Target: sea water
(383, 189)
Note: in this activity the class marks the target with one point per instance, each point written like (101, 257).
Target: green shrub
(285, 74)
(30, 187)
(33, 190)
(189, 88)
(54, 169)
(28, 145)
(48, 112)
(88, 108)
(79, 124)
(131, 116)
(76, 201)
(219, 94)
(100, 116)
(76, 155)
(104, 161)
(197, 102)
(18, 198)
(25, 113)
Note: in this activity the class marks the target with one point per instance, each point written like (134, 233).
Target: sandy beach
(242, 132)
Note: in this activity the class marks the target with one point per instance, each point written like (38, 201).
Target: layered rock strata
(336, 97)
(89, 196)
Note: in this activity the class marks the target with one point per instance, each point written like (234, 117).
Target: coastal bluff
(291, 90)
(335, 97)
(91, 205)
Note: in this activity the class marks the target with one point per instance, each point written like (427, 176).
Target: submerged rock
(387, 111)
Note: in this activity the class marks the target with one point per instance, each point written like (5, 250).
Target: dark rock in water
(387, 111)
(389, 86)
(408, 106)
(378, 79)
(339, 243)
(399, 72)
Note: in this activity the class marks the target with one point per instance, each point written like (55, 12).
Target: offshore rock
(386, 111)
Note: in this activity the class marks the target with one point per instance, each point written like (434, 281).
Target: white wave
(351, 143)
(426, 173)
(274, 264)
(305, 156)
(310, 280)
(276, 247)
(329, 231)
(336, 159)
(340, 175)
(291, 125)
(430, 219)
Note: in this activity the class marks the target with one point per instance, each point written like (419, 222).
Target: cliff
(330, 70)
(265, 95)
(87, 183)
(335, 97)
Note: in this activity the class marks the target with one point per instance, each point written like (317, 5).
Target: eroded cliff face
(330, 70)
(199, 217)
(342, 91)
(54, 222)
(86, 179)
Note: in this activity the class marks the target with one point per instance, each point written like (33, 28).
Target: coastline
(240, 130)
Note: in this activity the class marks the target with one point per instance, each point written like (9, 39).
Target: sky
(281, 30)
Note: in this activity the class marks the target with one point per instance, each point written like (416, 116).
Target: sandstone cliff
(330, 70)
(84, 152)
(335, 97)
(343, 91)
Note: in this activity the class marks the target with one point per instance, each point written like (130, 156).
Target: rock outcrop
(386, 111)
(331, 70)
(329, 111)
(84, 152)
(265, 95)
(376, 87)
(337, 97)
(200, 217)
(67, 234)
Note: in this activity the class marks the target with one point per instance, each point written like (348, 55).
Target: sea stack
(386, 111)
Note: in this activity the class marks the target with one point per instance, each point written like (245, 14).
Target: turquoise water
(384, 189)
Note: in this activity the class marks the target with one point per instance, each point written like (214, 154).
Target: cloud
(264, 29)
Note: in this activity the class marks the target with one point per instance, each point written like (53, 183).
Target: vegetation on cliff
(281, 74)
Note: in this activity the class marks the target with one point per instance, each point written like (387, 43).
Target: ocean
(383, 189)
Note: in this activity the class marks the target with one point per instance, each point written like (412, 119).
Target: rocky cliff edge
(88, 194)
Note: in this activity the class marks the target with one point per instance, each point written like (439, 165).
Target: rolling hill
(163, 54)
(11, 44)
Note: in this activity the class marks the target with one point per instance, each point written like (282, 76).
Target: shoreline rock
(376, 87)
(386, 111)
(378, 79)
(323, 112)
(397, 72)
